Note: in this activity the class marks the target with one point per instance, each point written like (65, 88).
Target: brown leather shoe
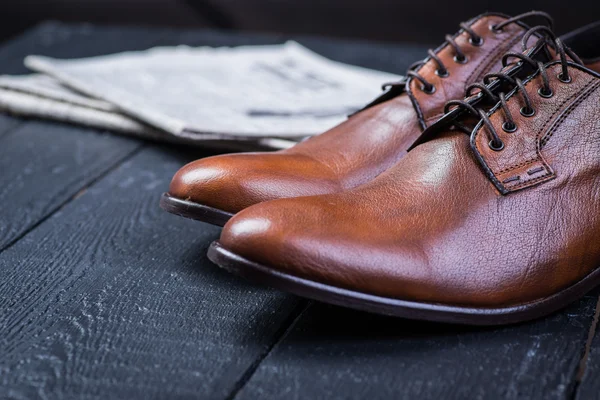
(492, 224)
(355, 152)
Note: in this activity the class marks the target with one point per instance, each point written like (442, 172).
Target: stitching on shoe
(512, 179)
(546, 138)
(583, 94)
(561, 107)
(530, 181)
(535, 170)
(492, 58)
(417, 106)
(539, 157)
(476, 145)
(517, 166)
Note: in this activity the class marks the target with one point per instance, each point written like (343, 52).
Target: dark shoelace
(459, 57)
(549, 39)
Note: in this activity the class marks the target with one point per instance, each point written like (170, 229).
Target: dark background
(418, 21)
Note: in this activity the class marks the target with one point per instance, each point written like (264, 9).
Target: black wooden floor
(103, 295)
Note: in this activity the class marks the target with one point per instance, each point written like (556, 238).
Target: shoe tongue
(539, 52)
(517, 69)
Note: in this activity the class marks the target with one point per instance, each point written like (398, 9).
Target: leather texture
(481, 60)
(522, 163)
(357, 150)
(436, 228)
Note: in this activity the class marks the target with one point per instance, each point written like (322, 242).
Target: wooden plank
(13, 51)
(7, 124)
(114, 298)
(44, 165)
(336, 353)
(589, 385)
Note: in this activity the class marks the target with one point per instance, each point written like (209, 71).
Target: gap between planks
(286, 328)
(60, 206)
(586, 352)
(3, 134)
(11, 128)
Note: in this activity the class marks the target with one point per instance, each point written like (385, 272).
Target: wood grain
(7, 124)
(114, 297)
(338, 353)
(45, 164)
(589, 385)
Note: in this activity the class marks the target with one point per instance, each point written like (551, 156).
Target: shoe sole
(395, 307)
(198, 212)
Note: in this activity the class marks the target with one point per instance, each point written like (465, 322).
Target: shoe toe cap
(305, 238)
(233, 182)
(211, 182)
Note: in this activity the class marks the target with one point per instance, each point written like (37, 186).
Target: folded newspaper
(253, 96)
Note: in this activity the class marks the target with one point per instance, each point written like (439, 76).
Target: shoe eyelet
(445, 74)
(428, 90)
(461, 60)
(496, 146)
(563, 80)
(494, 29)
(545, 95)
(476, 43)
(509, 127)
(527, 113)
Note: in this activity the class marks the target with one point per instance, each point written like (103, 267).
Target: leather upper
(355, 151)
(449, 223)
(481, 59)
(522, 163)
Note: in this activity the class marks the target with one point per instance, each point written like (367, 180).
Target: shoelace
(549, 39)
(459, 57)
